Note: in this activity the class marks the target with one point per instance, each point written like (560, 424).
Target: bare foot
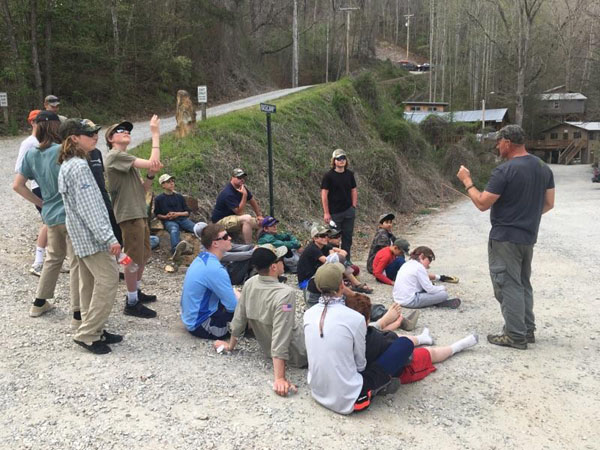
(390, 316)
(394, 325)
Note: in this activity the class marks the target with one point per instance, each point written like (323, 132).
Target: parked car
(408, 65)
(423, 67)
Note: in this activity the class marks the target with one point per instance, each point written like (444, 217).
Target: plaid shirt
(87, 219)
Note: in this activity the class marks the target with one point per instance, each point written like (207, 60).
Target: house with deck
(567, 143)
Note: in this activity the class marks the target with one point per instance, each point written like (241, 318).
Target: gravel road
(162, 388)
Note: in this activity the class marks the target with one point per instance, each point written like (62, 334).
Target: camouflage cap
(76, 127)
(386, 216)
(317, 230)
(239, 173)
(280, 252)
(514, 133)
(52, 100)
(337, 153)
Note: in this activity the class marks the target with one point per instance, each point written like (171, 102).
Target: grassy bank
(396, 167)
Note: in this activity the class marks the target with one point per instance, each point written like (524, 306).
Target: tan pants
(98, 284)
(59, 246)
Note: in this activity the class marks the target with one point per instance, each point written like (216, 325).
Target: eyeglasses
(225, 237)
(121, 131)
(340, 158)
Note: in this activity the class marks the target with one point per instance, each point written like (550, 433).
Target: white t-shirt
(411, 279)
(28, 143)
(335, 360)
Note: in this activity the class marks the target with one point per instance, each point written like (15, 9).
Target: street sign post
(202, 99)
(270, 109)
(4, 105)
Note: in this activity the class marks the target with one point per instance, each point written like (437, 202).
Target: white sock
(138, 284)
(424, 338)
(132, 298)
(464, 343)
(39, 255)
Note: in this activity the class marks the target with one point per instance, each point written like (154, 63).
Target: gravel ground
(162, 388)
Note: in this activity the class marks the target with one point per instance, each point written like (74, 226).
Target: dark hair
(46, 133)
(359, 303)
(425, 251)
(210, 234)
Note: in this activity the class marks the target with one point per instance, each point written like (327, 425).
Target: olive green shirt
(125, 186)
(270, 309)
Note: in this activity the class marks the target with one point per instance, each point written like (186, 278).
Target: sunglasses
(90, 133)
(121, 131)
(321, 236)
(340, 158)
(225, 237)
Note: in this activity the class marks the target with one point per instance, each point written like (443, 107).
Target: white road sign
(3, 99)
(202, 94)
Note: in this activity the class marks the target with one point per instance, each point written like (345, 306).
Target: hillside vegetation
(396, 166)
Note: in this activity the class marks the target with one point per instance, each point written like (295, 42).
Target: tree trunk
(48, 48)
(10, 29)
(35, 62)
(295, 45)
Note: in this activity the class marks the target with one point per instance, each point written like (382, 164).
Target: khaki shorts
(136, 240)
(231, 223)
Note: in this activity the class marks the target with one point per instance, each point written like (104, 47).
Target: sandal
(362, 288)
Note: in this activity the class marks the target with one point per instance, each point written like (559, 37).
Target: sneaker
(530, 336)
(145, 298)
(110, 338)
(391, 387)
(409, 323)
(448, 279)
(37, 311)
(138, 310)
(97, 347)
(363, 402)
(180, 249)
(506, 341)
(451, 303)
(36, 269)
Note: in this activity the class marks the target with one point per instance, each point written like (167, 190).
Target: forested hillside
(112, 58)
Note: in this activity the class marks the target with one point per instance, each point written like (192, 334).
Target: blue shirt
(206, 284)
(228, 199)
(166, 203)
(42, 166)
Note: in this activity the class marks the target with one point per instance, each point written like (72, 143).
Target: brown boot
(409, 323)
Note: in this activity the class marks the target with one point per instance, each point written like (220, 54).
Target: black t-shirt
(521, 183)
(166, 203)
(228, 199)
(309, 262)
(339, 185)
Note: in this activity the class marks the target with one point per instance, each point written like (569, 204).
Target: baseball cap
(164, 178)
(52, 100)
(318, 229)
(514, 133)
(329, 277)
(111, 130)
(76, 127)
(239, 173)
(46, 116)
(267, 254)
(199, 227)
(33, 114)
(403, 244)
(268, 221)
(333, 232)
(337, 153)
(386, 216)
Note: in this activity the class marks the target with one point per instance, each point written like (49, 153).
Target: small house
(567, 143)
(563, 105)
(493, 118)
(414, 106)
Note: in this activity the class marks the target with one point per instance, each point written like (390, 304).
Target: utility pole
(348, 11)
(295, 45)
(408, 16)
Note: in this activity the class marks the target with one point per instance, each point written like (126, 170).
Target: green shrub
(366, 88)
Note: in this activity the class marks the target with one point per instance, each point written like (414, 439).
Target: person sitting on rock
(269, 235)
(231, 204)
(413, 287)
(382, 365)
(170, 207)
(208, 299)
(388, 261)
(268, 307)
(383, 238)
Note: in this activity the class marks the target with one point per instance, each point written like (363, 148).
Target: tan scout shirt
(125, 186)
(270, 308)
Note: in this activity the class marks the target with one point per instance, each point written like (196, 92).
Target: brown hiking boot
(409, 323)
(506, 341)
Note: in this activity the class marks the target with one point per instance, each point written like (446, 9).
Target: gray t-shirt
(521, 183)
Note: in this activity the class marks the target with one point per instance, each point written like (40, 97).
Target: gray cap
(198, 228)
(402, 244)
(386, 216)
(52, 100)
(514, 133)
(238, 173)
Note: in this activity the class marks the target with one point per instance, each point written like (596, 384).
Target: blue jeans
(392, 269)
(174, 226)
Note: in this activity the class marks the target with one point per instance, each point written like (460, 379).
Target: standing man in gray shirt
(519, 191)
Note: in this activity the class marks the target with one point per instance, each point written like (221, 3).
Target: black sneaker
(451, 303)
(121, 276)
(138, 310)
(110, 338)
(97, 347)
(145, 298)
